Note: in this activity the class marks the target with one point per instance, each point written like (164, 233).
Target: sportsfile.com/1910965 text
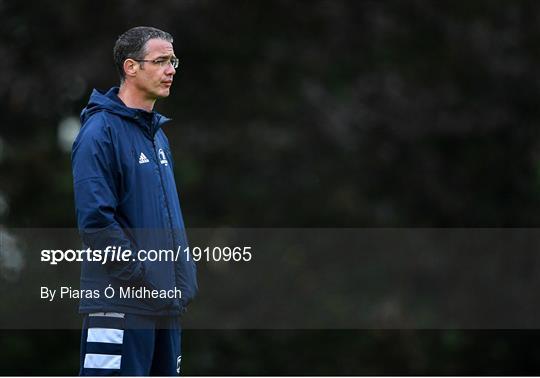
(110, 253)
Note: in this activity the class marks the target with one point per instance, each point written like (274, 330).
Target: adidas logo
(143, 159)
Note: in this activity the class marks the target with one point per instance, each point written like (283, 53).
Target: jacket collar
(149, 122)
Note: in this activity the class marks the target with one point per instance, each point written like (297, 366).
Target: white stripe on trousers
(105, 335)
(102, 361)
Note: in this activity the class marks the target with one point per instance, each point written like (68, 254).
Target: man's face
(153, 79)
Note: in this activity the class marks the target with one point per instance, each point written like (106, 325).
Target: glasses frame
(174, 62)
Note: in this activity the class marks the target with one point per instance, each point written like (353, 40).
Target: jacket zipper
(166, 204)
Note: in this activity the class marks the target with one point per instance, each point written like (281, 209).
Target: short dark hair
(132, 44)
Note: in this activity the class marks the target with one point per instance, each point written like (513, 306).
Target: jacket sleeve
(96, 189)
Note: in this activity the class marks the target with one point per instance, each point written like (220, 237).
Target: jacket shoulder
(101, 125)
(96, 124)
(96, 131)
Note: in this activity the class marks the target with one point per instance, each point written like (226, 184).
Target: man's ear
(130, 67)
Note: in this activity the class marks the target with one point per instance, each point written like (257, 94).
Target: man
(126, 199)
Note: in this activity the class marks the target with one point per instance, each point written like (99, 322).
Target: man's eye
(160, 61)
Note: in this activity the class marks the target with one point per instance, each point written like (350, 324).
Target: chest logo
(162, 157)
(143, 159)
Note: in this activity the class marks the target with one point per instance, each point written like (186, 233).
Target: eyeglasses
(162, 62)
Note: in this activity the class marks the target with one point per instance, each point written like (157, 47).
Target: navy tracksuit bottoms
(114, 343)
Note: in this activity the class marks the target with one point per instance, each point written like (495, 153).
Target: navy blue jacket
(125, 197)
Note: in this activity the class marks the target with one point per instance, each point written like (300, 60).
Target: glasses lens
(174, 62)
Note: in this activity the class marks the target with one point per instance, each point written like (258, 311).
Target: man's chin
(163, 93)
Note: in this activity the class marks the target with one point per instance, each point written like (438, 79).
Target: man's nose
(170, 69)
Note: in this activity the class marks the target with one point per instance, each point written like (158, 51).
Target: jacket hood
(110, 102)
